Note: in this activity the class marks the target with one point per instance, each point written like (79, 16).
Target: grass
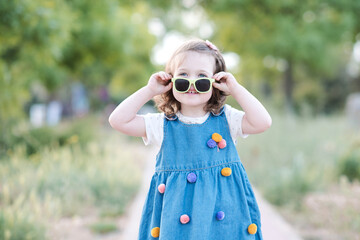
(102, 175)
(299, 161)
(295, 156)
(295, 164)
(103, 227)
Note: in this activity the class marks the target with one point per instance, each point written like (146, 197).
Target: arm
(256, 119)
(124, 117)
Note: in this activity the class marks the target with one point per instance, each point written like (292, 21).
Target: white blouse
(154, 124)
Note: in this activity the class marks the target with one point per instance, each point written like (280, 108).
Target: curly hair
(167, 103)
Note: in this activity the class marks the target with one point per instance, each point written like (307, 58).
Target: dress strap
(171, 117)
(218, 114)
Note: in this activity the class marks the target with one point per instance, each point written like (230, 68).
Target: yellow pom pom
(226, 172)
(252, 229)
(216, 137)
(155, 232)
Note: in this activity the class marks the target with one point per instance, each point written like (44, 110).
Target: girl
(200, 189)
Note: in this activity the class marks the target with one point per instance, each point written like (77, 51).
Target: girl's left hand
(225, 81)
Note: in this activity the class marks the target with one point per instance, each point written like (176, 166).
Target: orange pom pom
(252, 229)
(155, 232)
(226, 172)
(216, 137)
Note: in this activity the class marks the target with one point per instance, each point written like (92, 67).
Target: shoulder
(154, 123)
(153, 120)
(153, 116)
(234, 118)
(231, 112)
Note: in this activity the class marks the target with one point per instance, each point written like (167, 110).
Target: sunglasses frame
(192, 82)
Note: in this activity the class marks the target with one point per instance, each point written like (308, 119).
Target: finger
(168, 76)
(157, 76)
(219, 76)
(162, 75)
(222, 87)
(165, 76)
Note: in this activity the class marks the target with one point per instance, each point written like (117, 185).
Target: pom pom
(220, 215)
(216, 137)
(184, 219)
(211, 143)
(252, 229)
(161, 188)
(222, 144)
(191, 177)
(226, 172)
(155, 232)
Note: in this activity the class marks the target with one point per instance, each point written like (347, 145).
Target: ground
(274, 226)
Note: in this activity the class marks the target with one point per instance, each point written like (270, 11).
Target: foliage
(349, 164)
(306, 41)
(308, 35)
(103, 227)
(67, 181)
(14, 226)
(295, 156)
(53, 43)
(34, 140)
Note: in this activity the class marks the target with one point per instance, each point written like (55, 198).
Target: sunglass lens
(181, 85)
(203, 85)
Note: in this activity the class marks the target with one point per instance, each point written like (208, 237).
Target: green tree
(307, 38)
(53, 43)
(305, 34)
(110, 44)
(32, 35)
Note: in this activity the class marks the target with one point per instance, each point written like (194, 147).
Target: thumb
(218, 86)
(168, 87)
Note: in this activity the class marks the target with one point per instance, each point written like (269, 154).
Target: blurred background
(65, 65)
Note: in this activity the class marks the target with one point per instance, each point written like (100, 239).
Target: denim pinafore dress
(199, 191)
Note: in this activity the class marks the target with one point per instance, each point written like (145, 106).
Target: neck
(192, 111)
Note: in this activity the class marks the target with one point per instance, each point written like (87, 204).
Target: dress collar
(178, 115)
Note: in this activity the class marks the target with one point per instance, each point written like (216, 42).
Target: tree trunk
(288, 88)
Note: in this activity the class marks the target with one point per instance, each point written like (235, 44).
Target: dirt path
(274, 226)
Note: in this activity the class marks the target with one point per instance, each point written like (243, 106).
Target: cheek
(208, 95)
(176, 94)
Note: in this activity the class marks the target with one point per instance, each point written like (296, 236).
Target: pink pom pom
(211, 45)
(184, 219)
(161, 188)
(222, 144)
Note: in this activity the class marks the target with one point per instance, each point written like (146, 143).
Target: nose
(192, 87)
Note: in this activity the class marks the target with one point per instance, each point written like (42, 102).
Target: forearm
(256, 114)
(127, 109)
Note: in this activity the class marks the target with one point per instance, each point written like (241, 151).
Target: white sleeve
(235, 118)
(154, 124)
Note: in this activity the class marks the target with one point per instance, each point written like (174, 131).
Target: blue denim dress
(199, 192)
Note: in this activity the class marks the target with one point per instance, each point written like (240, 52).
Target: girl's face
(194, 65)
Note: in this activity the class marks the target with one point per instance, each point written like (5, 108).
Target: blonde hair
(167, 103)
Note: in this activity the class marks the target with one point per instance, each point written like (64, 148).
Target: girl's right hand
(159, 83)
